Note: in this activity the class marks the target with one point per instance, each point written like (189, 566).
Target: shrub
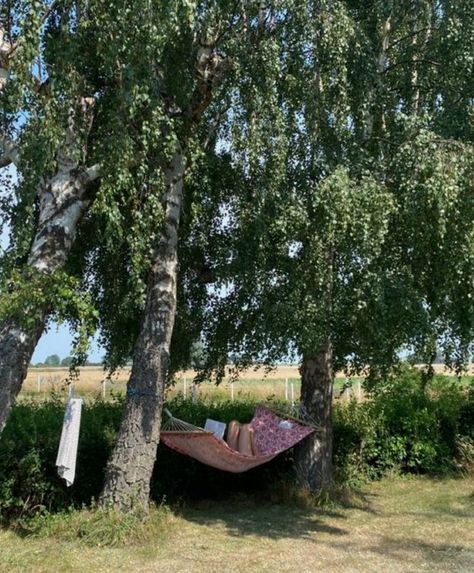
(403, 427)
(28, 449)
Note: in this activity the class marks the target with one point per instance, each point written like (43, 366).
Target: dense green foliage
(329, 181)
(140, 66)
(353, 218)
(328, 194)
(404, 428)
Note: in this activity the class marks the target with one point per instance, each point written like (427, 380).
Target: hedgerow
(404, 427)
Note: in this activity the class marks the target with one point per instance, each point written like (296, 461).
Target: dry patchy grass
(399, 525)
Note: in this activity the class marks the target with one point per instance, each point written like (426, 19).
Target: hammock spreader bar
(271, 438)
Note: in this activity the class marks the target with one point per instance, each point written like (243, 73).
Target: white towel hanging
(67, 452)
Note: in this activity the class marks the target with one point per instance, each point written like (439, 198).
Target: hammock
(273, 434)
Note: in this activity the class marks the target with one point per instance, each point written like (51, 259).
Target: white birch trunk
(130, 468)
(8, 151)
(62, 204)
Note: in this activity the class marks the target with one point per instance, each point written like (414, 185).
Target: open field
(397, 526)
(257, 383)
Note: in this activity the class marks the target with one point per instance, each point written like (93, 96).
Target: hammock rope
(173, 424)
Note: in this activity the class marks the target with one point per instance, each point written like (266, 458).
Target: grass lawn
(397, 525)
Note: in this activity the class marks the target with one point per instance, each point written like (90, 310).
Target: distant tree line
(56, 361)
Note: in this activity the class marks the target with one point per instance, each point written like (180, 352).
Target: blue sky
(58, 340)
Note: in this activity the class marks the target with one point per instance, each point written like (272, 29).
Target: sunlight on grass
(396, 525)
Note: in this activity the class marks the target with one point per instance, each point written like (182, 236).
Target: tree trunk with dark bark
(62, 204)
(314, 455)
(17, 345)
(129, 471)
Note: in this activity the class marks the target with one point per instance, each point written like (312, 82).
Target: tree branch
(8, 152)
(81, 112)
(92, 173)
(5, 50)
(215, 124)
(13, 47)
(412, 61)
(411, 34)
(232, 23)
(210, 66)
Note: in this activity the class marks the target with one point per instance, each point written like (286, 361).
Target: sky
(58, 340)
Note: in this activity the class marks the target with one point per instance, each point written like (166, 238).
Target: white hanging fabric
(67, 452)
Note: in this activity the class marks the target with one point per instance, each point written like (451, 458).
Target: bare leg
(233, 433)
(253, 442)
(246, 440)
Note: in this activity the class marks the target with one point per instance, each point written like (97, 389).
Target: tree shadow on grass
(404, 550)
(266, 521)
(443, 514)
(281, 518)
(358, 499)
(398, 553)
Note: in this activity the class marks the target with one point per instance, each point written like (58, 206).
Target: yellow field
(281, 382)
(258, 383)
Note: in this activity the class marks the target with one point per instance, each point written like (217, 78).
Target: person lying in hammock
(241, 438)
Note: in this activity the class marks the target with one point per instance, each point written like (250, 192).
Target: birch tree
(337, 248)
(149, 84)
(50, 153)
(212, 50)
(319, 152)
(80, 93)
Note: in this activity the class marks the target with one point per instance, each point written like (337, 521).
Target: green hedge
(404, 427)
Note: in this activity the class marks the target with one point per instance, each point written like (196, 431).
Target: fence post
(344, 393)
(292, 394)
(185, 387)
(104, 388)
(232, 391)
(194, 393)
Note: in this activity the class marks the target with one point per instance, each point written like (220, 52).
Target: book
(217, 428)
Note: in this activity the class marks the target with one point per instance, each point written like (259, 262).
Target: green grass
(397, 525)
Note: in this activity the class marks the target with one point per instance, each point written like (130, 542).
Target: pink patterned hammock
(273, 434)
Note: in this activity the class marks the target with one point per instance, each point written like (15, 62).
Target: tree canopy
(287, 178)
(355, 215)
